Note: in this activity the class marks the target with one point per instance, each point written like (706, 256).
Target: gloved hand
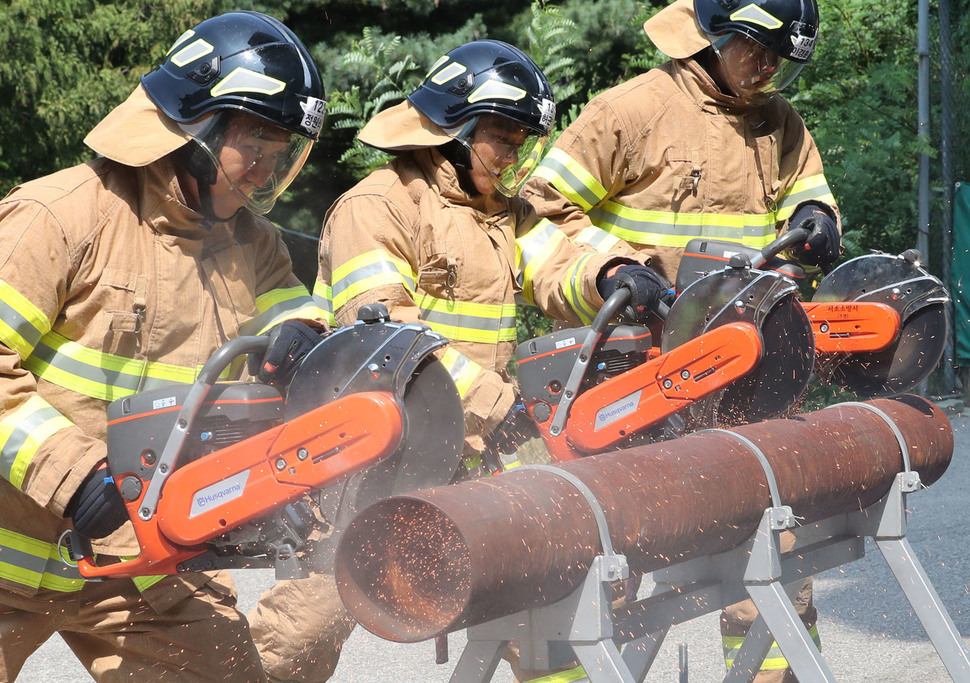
(289, 343)
(96, 508)
(514, 430)
(646, 287)
(824, 244)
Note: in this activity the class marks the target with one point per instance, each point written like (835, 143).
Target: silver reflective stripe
(362, 273)
(21, 326)
(570, 179)
(25, 433)
(683, 229)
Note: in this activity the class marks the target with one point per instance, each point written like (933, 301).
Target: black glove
(646, 288)
(289, 343)
(96, 509)
(514, 430)
(823, 246)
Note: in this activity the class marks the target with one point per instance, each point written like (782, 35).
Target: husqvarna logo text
(220, 493)
(616, 410)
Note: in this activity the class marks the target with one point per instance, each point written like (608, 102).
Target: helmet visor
(257, 159)
(752, 71)
(504, 151)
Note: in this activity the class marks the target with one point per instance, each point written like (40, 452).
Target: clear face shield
(257, 159)
(501, 150)
(751, 71)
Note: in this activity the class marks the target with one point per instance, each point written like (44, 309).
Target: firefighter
(125, 273)
(702, 146)
(440, 237)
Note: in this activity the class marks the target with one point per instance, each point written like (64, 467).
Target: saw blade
(918, 297)
(769, 302)
(357, 359)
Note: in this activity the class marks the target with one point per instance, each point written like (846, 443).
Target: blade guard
(920, 302)
(605, 415)
(254, 477)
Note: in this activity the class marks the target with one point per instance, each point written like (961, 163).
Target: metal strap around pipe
(903, 448)
(765, 465)
(594, 504)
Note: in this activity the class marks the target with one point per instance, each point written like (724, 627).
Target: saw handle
(210, 372)
(780, 244)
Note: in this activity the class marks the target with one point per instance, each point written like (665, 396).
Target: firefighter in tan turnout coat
(122, 274)
(701, 146)
(439, 237)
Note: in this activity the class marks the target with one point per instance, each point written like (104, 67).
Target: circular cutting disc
(770, 303)
(434, 425)
(920, 300)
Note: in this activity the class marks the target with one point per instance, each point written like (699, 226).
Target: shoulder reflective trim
(597, 238)
(22, 324)
(463, 370)
(572, 180)
(188, 54)
(35, 563)
(21, 434)
(774, 660)
(100, 375)
(281, 304)
(573, 291)
(532, 250)
(242, 80)
(494, 89)
(367, 271)
(670, 229)
(322, 298)
(814, 187)
(568, 676)
(468, 321)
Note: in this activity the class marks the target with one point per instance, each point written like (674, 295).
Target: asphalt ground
(869, 631)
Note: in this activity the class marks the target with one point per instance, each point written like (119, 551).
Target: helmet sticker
(803, 45)
(752, 14)
(453, 70)
(547, 112)
(243, 80)
(313, 111)
(493, 89)
(188, 54)
(181, 39)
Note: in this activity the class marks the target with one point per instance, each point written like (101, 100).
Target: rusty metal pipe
(415, 566)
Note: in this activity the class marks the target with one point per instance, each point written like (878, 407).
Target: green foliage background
(67, 62)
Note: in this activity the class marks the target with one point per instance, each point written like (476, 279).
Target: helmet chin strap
(204, 170)
(461, 158)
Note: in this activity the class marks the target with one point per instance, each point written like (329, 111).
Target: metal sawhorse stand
(584, 627)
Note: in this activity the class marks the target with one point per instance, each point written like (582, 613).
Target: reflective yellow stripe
(100, 375)
(668, 228)
(22, 324)
(21, 434)
(463, 370)
(814, 187)
(577, 674)
(468, 321)
(282, 304)
(671, 229)
(323, 298)
(573, 291)
(367, 271)
(145, 582)
(573, 181)
(597, 238)
(774, 660)
(34, 563)
(532, 253)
